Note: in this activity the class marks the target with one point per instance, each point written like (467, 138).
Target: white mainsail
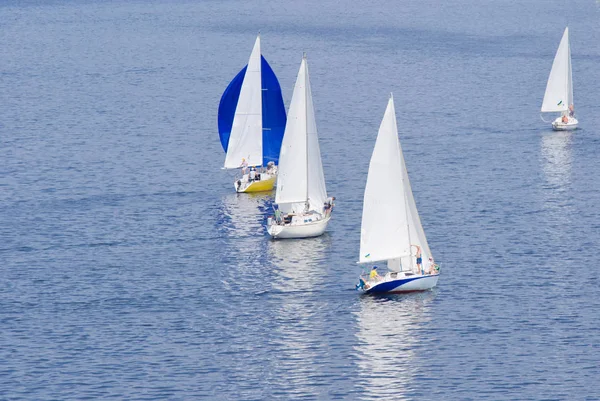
(559, 90)
(385, 224)
(245, 141)
(301, 177)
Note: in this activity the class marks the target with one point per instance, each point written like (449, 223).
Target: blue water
(129, 269)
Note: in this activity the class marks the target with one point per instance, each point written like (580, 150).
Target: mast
(403, 166)
(570, 100)
(306, 117)
(408, 227)
(568, 74)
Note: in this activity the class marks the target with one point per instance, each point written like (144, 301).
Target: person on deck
(571, 111)
(278, 216)
(244, 165)
(431, 266)
(373, 275)
(565, 119)
(328, 204)
(419, 259)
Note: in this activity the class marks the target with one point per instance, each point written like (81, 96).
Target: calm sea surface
(129, 268)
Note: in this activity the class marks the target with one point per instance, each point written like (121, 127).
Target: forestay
(559, 90)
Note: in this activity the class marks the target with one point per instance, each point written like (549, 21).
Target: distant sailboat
(302, 206)
(391, 229)
(251, 124)
(559, 90)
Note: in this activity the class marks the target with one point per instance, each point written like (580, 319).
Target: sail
(570, 82)
(317, 192)
(273, 111)
(245, 140)
(227, 107)
(417, 234)
(240, 107)
(292, 180)
(273, 114)
(301, 177)
(559, 90)
(385, 226)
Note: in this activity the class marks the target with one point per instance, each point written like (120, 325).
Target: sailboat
(302, 208)
(251, 124)
(391, 229)
(559, 89)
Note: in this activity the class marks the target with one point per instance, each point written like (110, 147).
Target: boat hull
(405, 284)
(312, 229)
(558, 125)
(256, 186)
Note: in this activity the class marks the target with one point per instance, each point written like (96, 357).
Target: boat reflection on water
(241, 224)
(298, 322)
(389, 338)
(557, 201)
(298, 264)
(557, 159)
(244, 215)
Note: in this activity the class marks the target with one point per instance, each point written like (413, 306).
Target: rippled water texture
(129, 269)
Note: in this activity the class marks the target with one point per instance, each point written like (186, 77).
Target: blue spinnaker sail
(273, 111)
(227, 107)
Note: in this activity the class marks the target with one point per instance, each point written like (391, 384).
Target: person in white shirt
(431, 266)
(244, 165)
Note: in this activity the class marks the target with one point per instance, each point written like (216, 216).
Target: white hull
(558, 125)
(299, 230)
(401, 282)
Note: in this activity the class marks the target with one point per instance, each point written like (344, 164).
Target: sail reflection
(388, 337)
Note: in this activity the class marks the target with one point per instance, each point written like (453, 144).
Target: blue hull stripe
(391, 285)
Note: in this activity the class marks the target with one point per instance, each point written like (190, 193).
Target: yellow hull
(261, 186)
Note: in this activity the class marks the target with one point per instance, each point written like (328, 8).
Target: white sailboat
(559, 89)
(302, 206)
(391, 229)
(250, 135)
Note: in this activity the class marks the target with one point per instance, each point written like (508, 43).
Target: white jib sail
(559, 90)
(292, 180)
(417, 234)
(317, 192)
(385, 229)
(245, 140)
